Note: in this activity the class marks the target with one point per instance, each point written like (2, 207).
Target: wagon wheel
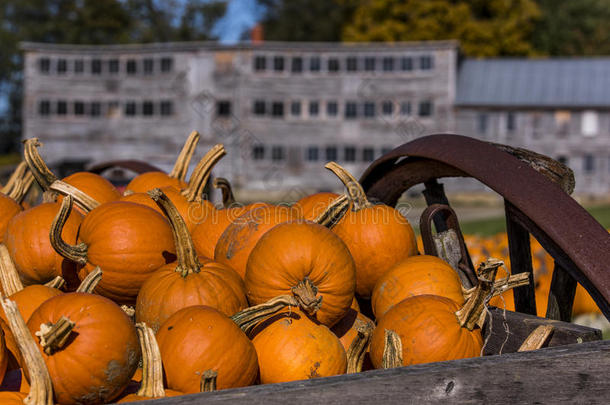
(535, 205)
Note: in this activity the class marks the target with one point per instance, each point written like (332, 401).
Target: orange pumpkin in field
(199, 338)
(311, 206)
(128, 241)
(416, 275)
(308, 261)
(190, 281)
(378, 236)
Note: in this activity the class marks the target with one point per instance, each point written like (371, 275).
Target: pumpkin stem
(152, 367)
(357, 349)
(49, 196)
(248, 318)
(184, 158)
(505, 284)
(354, 189)
(208, 381)
(11, 283)
(227, 193)
(334, 212)
(76, 253)
(185, 248)
(473, 313)
(41, 388)
(538, 338)
(58, 283)
(53, 337)
(14, 178)
(91, 281)
(305, 293)
(19, 183)
(130, 311)
(82, 200)
(392, 350)
(201, 174)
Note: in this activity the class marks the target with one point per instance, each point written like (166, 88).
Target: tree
(483, 27)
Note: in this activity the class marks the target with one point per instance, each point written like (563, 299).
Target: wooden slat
(561, 295)
(567, 374)
(434, 193)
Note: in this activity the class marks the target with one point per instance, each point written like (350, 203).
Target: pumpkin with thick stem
(152, 370)
(189, 200)
(311, 206)
(128, 241)
(354, 331)
(200, 338)
(307, 260)
(89, 345)
(291, 346)
(416, 275)
(190, 281)
(28, 243)
(156, 179)
(41, 389)
(377, 235)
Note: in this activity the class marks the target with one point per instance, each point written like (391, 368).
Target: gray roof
(544, 83)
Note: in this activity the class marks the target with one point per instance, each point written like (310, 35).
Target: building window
(510, 122)
(312, 154)
(113, 66)
(130, 108)
(62, 108)
(277, 109)
(295, 108)
(148, 66)
(331, 153)
(369, 109)
(44, 108)
(388, 64)
(79, 108)
(277, 153)
(167, 64)
(405, 108)
(351, 64)
(589, 124)
(278, 63)
(349, 154)
(132, 67)
(167, 108)
(148, 108)
(297, 65)
(406, 63)
(332, 109)
(426, 62)
(258, 152)
(260, 63)
(387, 108)
(44, 64)
(426, 108)
(369, 64)
(79, 66)
(223, 108)
(62, 66)
(96, 66)
(482, 123)
(333, 65)
(351, 110)
(368, 154)
(588, 163)
(314, 64)
(314, 108)
(95, 110)
(259, 107)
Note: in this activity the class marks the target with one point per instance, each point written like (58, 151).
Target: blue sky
(241, 15)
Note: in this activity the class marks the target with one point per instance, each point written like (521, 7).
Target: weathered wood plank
(561, 295)
(574, 374)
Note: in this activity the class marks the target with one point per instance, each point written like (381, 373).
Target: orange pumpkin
(311, 206)
(292, 347)
(378, 236)
(84, 339)
(304, 259)
(239, 238)
(429, 331)
(416, 275)
(190, 281)
(129, 241)
(347, 328)
(8, 209)
(94, 185)
(199, 338)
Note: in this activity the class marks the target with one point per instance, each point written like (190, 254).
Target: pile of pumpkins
(157, 292)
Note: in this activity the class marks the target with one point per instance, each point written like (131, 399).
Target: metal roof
(544, 83)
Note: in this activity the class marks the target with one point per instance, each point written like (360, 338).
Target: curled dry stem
(392, 350)
(43, 175)
(17, 174)
(354, 189)
(305, 292)
(334, 212)
(208, 381)
(184, 158)
(152, 366)
(228, 199)
(54, 337)
(201, 173)
(57, 283)
(41, 388)
(91, 281)
(11, 283)
(248, 318)
(357, 349)
(76, 253)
